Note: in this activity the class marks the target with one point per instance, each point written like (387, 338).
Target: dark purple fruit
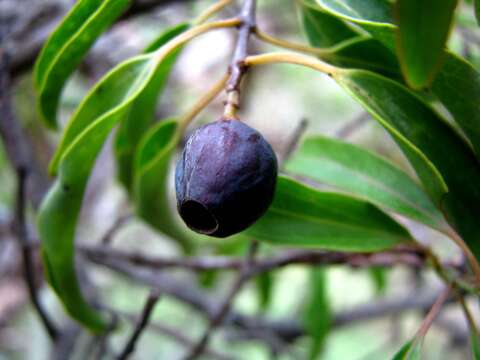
(225, 178)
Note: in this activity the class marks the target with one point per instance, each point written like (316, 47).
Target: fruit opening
(198, 217)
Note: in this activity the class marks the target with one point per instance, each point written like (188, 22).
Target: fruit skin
(225, 179)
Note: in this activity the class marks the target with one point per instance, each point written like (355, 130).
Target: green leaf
(374, 16)
(412, 350)
(475, 341)
(433, 148)
(364, 53)
(421, 50)
(317, 315)
(456, 78)
(67, 46)
(103, 107)
(379, 277)
(264, 284)
(305, 217)
(321, 28)
(142, 114)
(477, 10)
(151, 187)
(457, 86)
(364, 174)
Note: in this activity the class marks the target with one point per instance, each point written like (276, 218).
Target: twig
(294, 139)
(353, 126)
(237, 65)
(19, 155)
(434, 311)
(116, 226)
(226, 304)
(142, 323)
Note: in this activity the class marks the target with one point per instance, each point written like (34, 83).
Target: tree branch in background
(142, 323)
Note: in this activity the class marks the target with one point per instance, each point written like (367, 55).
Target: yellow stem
(292, 58)
(192, 33)
(202, 103)
(289, 45)
(210, 11)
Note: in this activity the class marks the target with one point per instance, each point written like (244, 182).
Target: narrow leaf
(475, 341)
(456, 78)
(142, 114)
(477, 10)
(67, 46)
(421, 50)
(303, 216)
(433, 148)
(323, 29)
(264, 284)
(412, 350)
(362, 173)
(317, 315)
(151, 186)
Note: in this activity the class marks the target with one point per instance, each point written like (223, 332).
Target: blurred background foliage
(278, 98)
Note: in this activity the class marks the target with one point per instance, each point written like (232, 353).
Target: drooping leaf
(321, 28)
(457, 86)
(151, 187)
(302, 216)
(412, 350)
(364, 174)
(456, 78)
(439, 155)
(66, 48)
(317, 315)
(142, 113)
(421, 51)
(57, 218)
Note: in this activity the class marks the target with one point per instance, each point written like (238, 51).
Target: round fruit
(225, 179)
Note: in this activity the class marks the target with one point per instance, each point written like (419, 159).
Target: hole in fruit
(197, 217)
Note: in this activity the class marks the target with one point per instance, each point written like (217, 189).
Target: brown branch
(219, 316)
(237, 65)
(288, 329)
(141, 325)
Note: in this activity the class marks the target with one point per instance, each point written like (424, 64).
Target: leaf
(477, 10)
(140, 117)
(264, 284)
(475, 341)
(364, 174)
(321, 28)
(305, 217)
(421, 50)
(317, 315)
(103, 107)
(379, 276)
(151, 187)
(364, 53)
(67, 46)
(433, 148)
(457, 86)
(412, 350)
(456, 78)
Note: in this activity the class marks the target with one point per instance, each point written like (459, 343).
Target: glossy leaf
(66, 48)
(421, 50)
(433, 148)
(456, 78)
(103, 107)
(305, 217)
(364, 174)
(323, 29)
(364, 53)
(412, 350)
(151, 187)
(317, 315)
(457, 86)
(142, 114)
